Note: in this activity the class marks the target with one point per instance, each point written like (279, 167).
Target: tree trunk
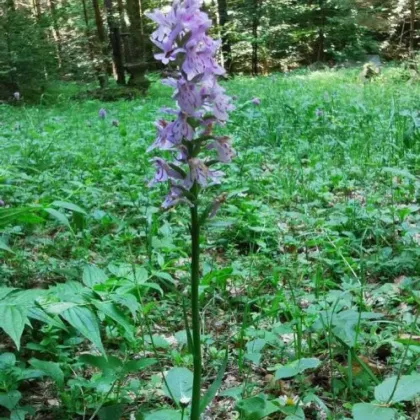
(100, 30)
(255, 24)
(321, 34)
(10, 15)
(137, 41)
(100, 74)
(124, 30)
(37, 8)
(137, 65)
(412, 26)
(115, 39)
(56, 33)
(147, 44)
(226, 47)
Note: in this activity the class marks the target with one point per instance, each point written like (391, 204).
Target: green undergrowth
(310, 269)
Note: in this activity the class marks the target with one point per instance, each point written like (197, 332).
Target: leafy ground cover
(310, 274)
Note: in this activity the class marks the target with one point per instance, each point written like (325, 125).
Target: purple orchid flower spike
(256, 101)
(164, 172)
(102, 114)
(224, 150)
(201, 104)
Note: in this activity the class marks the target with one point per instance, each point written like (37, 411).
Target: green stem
(400, 370)
(195, 310)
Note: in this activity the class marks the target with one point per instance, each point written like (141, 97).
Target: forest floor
(310, 269)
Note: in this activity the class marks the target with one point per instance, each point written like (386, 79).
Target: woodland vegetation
(241, 241)
(87, 40)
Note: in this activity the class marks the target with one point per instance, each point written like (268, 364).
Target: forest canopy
(88, 40)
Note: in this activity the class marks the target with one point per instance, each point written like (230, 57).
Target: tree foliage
(95, 39)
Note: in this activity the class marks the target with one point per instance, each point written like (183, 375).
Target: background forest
(84, 40)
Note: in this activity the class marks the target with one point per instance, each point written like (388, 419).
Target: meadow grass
(313, 257)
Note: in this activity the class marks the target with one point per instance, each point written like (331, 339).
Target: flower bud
(184, 401)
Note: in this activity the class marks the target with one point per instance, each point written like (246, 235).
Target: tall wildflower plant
(201, 104)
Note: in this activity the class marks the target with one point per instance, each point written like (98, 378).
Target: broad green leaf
(253, 350)
(128, 271)
(102, 363)
(59, 307)
(18, 414)
(10, 399)
(158, 341)
(60, 217)
(367, 411)
(134, 366)
(164, 276)
(111, 412)
(256, 408)
(234, 392)
(70, 291)
(254, 357)
(50, 369)
(255, 346)
(69, 206)
(154, 286)
(128, 300)
(179, 383)
(161, 415)
(293, 412)
(40, 315)
(140, 275)
(4, 291)
(27, 297)
(93, 275)
(110, 310)
(296, 367)
(12, 321)
(7, 360)
(5, 247)
(31, 374)
(346, 332)
(85, 321)
(407, 388)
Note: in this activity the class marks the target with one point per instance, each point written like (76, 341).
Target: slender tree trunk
(10, 6)
(321, 33)
(222, 8)
(138, 61)
(134, 15)
(115, 39)
(412, 25)
(10, 14)
(255, 24)
(56, 33)
(101, 75)
(124, 30)
(37, 9)
(100, 30)
(147, 44)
